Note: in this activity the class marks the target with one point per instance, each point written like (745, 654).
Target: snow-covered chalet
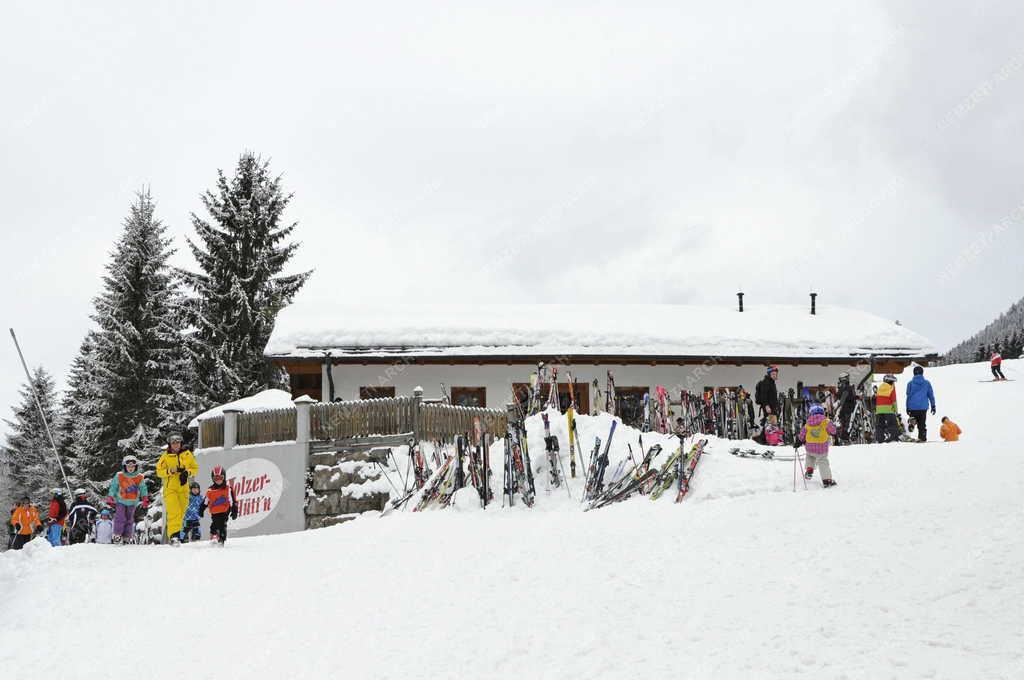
(476, 355)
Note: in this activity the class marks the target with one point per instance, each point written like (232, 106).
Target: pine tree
(27, 457)
(239, 290)
(996, 333)
(128, 385)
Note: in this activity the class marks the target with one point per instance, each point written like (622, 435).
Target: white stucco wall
(498, 379)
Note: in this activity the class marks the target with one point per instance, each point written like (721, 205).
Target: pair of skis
(763, 455)
(638, 480)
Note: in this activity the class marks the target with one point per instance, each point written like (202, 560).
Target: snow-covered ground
(913, 567)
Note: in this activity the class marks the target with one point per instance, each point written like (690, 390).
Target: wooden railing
(212, 432)
(363, 418)
(260, 427)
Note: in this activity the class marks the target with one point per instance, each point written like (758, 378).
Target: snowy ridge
(913, 567)
(660, 330)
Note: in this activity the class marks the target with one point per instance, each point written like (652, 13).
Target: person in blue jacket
(919, 397)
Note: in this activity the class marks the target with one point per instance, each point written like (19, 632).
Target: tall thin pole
(42, 415)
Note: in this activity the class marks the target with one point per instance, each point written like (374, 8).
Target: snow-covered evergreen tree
(128, 386)
(1005, 334)
(28, 461)
(239, 290)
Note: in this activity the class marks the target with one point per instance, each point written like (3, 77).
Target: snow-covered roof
(776, 331)
(267, 400)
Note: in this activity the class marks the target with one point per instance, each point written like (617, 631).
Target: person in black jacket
(81, 518)
(846, 402)
(766, 394)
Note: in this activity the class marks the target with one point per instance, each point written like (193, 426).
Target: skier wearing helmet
(175, 466)
(190, 527)
(127, 490)
(815, 436)
(220, 500)
(887, 428)
(81, 518)
(846, 402)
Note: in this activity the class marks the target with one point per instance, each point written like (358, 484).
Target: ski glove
(234, 511)
(796, 445)
(145, 502)
(110, 501)
(202, 510)
(933, 411)
(183, 477)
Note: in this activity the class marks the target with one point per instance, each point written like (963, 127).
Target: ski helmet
(844, 377)
(57, 492)
(918, 370)
(129, 459)
(79, 491)
(174, 438)
(104, 512)
(194, 485)
(217, 471)
(889, 378)
(817, 410)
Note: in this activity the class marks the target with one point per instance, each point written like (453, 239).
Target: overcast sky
(530, 151)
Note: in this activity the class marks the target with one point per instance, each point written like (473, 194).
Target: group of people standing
(184, 505)
(920, 400)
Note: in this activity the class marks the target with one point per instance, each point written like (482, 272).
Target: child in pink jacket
(816, 436)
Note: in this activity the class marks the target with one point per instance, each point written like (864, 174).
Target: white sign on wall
(257, 484)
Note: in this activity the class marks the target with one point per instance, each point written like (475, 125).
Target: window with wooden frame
(475, 397)
(308, 382)
(376, 392)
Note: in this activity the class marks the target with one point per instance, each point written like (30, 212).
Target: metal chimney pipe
(740, 296)
(814, 298)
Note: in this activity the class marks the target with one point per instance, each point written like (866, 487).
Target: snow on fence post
(302, 406)
(231, 428)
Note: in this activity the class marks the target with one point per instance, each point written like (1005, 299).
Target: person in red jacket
(997, 366)
(220, 500)
(55, 518)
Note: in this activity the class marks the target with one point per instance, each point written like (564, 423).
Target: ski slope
(913, 567)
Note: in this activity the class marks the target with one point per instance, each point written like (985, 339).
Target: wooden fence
(363, 418)
(261, 427)
(212, 432)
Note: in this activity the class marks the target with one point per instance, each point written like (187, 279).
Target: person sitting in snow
(55, 518)
(104, 528)
(773, 434)
(815, 435)
(81, 517)
(220, 499)
(950, 431)
(190, 528)
(997, 366)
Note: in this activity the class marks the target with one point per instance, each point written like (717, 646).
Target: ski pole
(46, 424)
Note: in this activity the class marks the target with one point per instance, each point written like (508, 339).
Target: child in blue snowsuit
(190, 523)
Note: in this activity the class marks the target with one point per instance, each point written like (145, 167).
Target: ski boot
(117, 539)
(828, 482)
(809, 473)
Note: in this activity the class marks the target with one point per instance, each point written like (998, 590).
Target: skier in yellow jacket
(175, 466)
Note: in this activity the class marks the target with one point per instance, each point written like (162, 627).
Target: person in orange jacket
(25, 521)
(950, 431)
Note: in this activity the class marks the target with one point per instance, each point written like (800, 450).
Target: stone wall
(341, 485)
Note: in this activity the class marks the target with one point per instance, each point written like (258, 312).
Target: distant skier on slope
(997, 366)
(919, 397)
(766, 394)
(815, 436)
